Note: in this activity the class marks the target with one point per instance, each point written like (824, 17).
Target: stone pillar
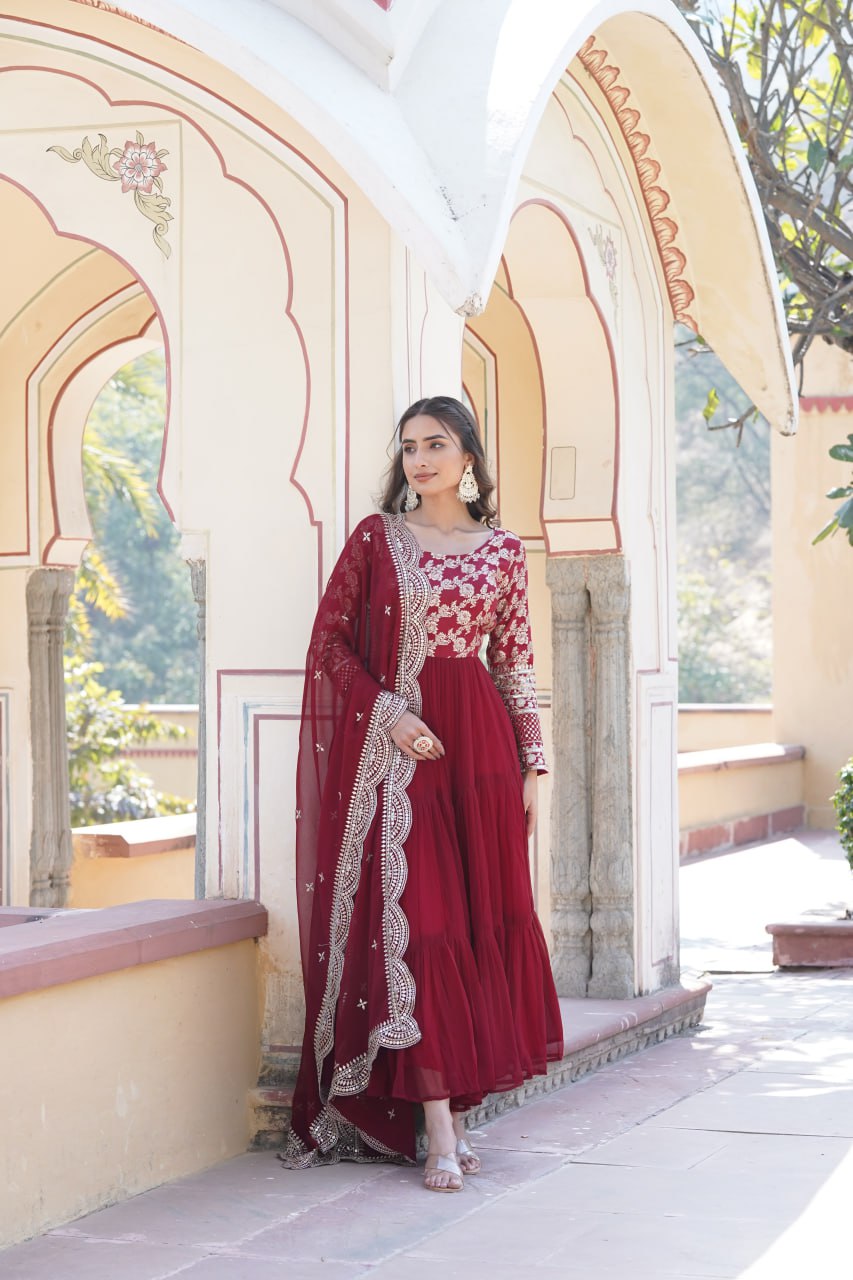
(48, 591)
(611, 861)
(570, 808)
(198, 573)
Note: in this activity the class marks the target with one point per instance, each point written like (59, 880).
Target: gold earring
(468, 490)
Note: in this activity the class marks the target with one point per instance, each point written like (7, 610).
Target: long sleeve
(509, 656)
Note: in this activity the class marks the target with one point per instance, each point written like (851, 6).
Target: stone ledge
(600, 1031)
(136, 838)
(748, 757)
(72, 945)
(802, 944)
(26, 915)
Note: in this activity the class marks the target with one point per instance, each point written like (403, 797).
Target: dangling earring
(412, 499)
(468, 490)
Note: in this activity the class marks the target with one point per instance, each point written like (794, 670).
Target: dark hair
(454, 417)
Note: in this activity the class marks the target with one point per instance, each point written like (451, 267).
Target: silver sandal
(466, 1152)
(443, 1164)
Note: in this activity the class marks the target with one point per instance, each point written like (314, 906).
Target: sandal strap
(464, 1148)
(443, 1164)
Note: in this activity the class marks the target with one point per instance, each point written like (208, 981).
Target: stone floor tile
(263, 1170)
(246, 1267)
(405, 1267)
(524, 1237)
(56, 1257)
(369, 1224)
(656, 1148)
(178, 1215)
(814, 1053)
(230, 1202)
(777, 1157)
(712, 1190)
(620, 1244)
(761, 1102)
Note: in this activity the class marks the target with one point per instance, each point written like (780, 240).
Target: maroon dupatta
(353, 815)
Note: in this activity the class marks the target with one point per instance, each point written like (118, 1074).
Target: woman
(426, 973)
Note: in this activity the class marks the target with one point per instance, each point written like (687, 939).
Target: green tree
(105, 786)
(149, 645)
(120, 451)
(786, 68)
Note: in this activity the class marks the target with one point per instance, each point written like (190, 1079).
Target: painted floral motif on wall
(137, 166)
(606, 247)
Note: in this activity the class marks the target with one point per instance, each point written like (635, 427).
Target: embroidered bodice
(482, 595)
(457, 604)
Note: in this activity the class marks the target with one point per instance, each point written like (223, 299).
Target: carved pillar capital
(566, 579)
(609, 590)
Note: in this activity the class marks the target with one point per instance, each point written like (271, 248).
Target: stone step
(597, 1032)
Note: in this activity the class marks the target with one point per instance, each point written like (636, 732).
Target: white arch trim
(443, 167)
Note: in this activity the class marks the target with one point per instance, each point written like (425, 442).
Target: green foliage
(132, 608)
(104, 785)
(146, 635)
(785, 66)
(842, 802)
(843, 517)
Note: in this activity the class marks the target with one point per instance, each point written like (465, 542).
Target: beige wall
(707, 728)
(118, 1083)
(722, 794)
(813, 590)
(106, 882)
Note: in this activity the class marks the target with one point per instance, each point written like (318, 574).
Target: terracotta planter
(825, 944)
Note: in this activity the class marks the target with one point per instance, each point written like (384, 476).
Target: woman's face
(433, 460)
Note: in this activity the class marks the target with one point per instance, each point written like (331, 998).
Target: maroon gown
(426, 971)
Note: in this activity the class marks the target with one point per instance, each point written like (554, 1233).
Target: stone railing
(129, 1044)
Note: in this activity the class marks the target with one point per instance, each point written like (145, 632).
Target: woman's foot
(469, 1163)
(443, 1171)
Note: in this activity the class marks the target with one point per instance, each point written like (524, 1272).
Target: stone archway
(82, 334)
(541, 366)
(227, 416)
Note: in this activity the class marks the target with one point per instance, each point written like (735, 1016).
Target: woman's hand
(531, 799)
(407, 729)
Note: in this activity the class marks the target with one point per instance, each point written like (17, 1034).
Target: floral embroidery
(479, 594)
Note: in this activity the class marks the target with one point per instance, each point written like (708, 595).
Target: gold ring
(423, 744)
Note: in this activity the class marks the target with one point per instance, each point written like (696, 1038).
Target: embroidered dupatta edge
(380, 762)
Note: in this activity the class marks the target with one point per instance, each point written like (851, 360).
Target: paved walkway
(728, 1153)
